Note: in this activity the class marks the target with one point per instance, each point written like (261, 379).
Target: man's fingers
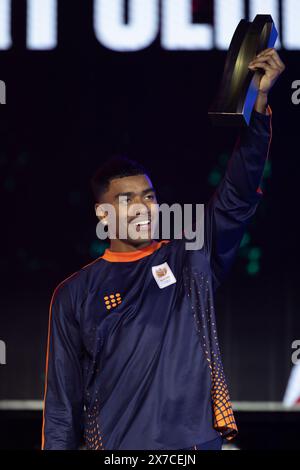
(269, 49)
(268, 60)
(273, 63)
(277, 59)
(271, 52)
(265, 65)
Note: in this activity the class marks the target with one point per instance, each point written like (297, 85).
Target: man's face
(134, 201)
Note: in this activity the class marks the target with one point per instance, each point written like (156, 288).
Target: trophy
(238, 90)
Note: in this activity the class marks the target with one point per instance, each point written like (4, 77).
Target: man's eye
(150, 196)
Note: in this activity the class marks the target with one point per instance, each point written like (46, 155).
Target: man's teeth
(145, 222)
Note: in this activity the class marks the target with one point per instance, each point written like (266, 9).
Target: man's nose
(142, 208)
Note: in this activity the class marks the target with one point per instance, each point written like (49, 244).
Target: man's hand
(270, 62)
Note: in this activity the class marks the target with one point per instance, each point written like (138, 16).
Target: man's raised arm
(235, 200)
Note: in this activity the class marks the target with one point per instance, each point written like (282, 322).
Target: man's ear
(100, 213)
(97, 209)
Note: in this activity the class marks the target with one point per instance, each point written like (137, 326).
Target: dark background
(67, 110)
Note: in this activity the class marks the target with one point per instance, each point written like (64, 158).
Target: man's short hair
(117, 166)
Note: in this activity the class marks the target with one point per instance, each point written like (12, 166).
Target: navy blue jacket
(131, 365)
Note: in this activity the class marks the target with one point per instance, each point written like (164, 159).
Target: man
(133, 360)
